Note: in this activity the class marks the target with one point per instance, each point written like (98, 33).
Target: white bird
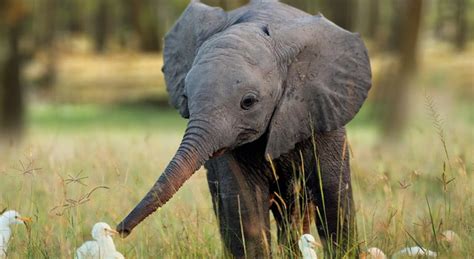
(103, 247)
(415, 251)
(449, 236)
(307, 243)
(452, 239)
(8, 218)
(374, 253)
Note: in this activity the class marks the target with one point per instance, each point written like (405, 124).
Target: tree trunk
(75, 23)
(342, 12)
(47, 81)
(101, 26)
(409, 34)
(134, 14)
(374, 18)
(396, 27)
(393, 87)
(439, 23)
(147, 25)
(11, 91)
(461, 25)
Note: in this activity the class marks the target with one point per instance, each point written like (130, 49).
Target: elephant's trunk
(196, 147)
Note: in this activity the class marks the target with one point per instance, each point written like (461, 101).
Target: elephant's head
(239, 81)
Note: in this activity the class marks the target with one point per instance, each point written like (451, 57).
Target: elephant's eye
(248, 101)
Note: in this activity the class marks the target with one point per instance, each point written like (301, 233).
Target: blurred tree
(341, 12)
(74, 21)
(461, 24)
(395, 26)
(392, 87)
(48, 22)
(13, 13)
(147, 23)
(49, 11)
(101, 25)
(440, 18)
(373, 18)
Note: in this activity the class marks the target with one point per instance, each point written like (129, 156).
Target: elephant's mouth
(219, 152)
(247, 135)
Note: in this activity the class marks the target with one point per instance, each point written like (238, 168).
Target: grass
(82, 164)
(86, 117)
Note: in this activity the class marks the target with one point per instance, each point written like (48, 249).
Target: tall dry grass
(405, 193)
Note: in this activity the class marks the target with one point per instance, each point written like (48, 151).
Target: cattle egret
(307, 243)
(373, 253)
(452, 240)
(103, 247)
(415, 251)
(8, 218)
(450, 236)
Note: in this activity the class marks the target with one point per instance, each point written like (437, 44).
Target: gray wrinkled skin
(265, 82)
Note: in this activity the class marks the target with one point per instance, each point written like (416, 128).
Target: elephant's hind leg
(241, 204)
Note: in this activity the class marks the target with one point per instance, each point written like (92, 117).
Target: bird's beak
(315, 244)
(112, 231)
(25, 219)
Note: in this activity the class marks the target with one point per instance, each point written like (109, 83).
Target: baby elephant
(267, 90)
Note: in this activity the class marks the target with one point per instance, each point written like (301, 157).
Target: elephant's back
(266, 13)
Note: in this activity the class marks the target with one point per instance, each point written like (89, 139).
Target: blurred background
(86, 126)
(64, 61)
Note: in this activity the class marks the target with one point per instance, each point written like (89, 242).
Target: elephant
(267, 90)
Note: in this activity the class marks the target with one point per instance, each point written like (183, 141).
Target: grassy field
(82, 164)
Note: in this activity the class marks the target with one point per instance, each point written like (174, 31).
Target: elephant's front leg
(291, 211)
(335, 221)
(241, 204)
(335, 214)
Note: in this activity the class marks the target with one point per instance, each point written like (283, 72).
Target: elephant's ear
(327, 79)
(197, 24)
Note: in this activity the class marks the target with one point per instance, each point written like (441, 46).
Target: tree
(461, 25)
(440, 18)
(341, 12)
(74, 22)
(373, 18)
(101, 25)
(146, 23)
(391, 95)
(47, 43)
(11, 91)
